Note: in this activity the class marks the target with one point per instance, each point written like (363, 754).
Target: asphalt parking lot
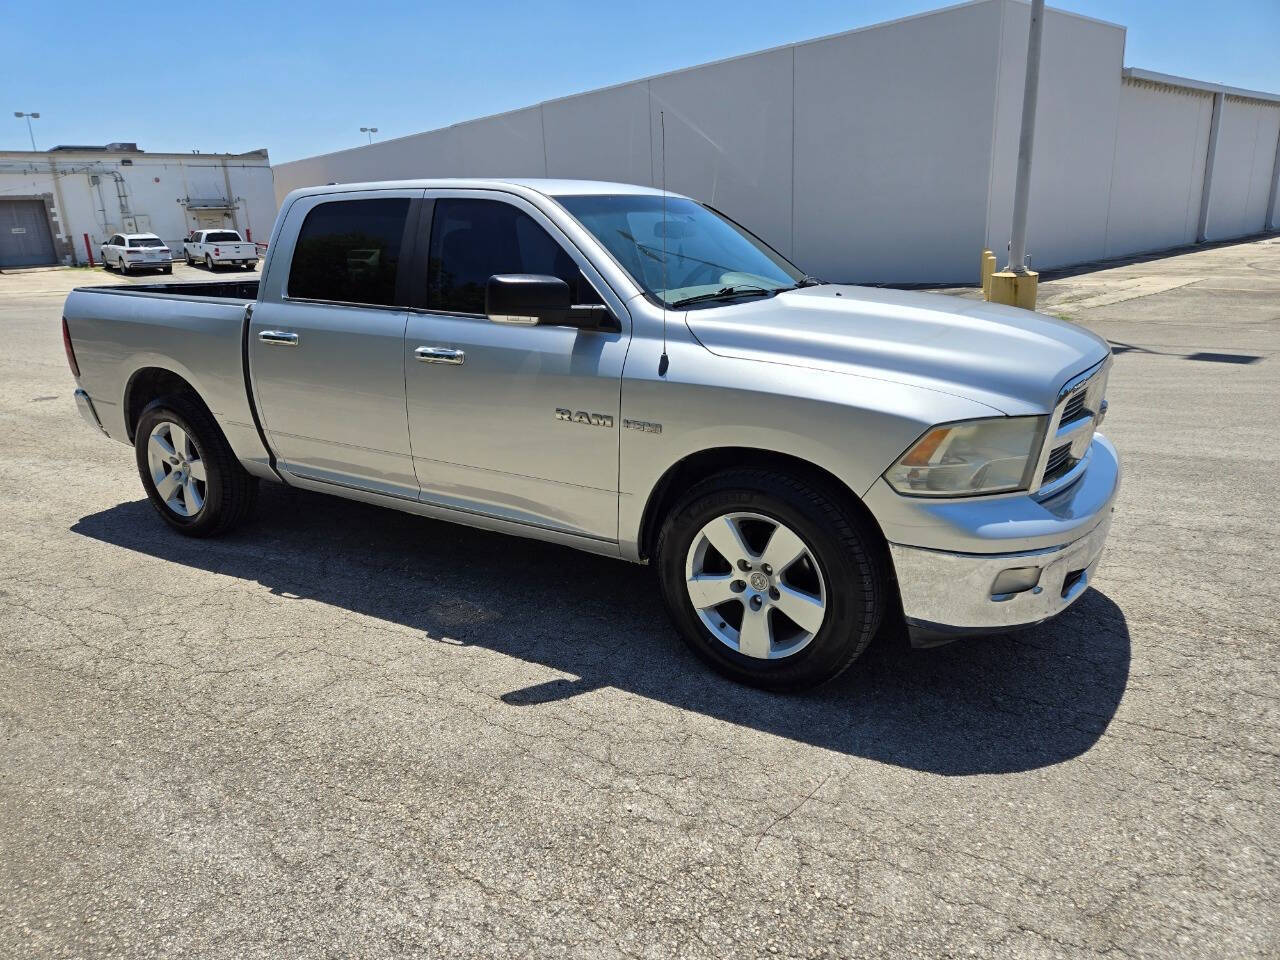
(343, 731)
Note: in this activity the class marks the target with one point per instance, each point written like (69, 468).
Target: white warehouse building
(58, 206)
(887, 154)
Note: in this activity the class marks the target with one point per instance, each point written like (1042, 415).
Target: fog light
(1013, 581)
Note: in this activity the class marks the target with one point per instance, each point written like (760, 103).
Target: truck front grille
(1071, 426)
(1059, 462)
(1075, 406)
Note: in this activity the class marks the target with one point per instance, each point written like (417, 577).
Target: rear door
(488, 401)
(326, 340)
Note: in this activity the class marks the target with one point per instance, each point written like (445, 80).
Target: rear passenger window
(471, 240)
(348, 251)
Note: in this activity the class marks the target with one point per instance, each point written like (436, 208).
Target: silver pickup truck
(634, 374)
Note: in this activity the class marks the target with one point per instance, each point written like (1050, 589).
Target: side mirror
(527, 298)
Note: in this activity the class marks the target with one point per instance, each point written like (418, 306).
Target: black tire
(208, 263)
(168, 269)
(190, 262)
(849, 551)
(230, 492)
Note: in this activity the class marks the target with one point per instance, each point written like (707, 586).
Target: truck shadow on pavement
(983, 705)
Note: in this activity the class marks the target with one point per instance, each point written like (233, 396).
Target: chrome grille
(1059, 462)
(1075, 406)
(1071, 427)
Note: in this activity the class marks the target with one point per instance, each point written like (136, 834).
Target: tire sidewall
(846, 586)
(215, 482)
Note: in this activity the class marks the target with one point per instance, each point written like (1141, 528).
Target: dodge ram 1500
(630, 373)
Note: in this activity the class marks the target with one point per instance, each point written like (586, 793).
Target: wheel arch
(150, 383)
(698, 466)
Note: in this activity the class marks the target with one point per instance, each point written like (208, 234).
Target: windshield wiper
(724, 293)
(808, 280)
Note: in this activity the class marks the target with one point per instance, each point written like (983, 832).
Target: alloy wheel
(177, 469)
(756, 585)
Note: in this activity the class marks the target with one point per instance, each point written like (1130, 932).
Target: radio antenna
(664, 361)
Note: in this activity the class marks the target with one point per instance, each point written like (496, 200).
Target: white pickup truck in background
(216, 248)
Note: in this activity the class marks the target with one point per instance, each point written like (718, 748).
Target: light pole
(1026, 141)
(1015, 285)
(369, 130)
(30, 116)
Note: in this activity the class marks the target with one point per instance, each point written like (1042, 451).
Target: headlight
(970, 458)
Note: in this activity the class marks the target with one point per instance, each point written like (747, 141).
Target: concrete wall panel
(1161, 141)
(1079, 102)
(893, 143)
(728, 131)
(600, 136)
(1242, 169)
(888, 154)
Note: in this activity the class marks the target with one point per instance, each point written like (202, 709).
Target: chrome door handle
(439, 355)
(283, 337)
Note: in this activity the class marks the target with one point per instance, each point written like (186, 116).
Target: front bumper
(949, 593)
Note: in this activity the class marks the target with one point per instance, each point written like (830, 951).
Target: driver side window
(471, 240)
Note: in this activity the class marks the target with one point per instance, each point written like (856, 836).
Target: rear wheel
(208, 263)
(188, 470)
(773, 580)
(122, 265)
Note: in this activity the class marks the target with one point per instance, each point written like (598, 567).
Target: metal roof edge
(1169, 80)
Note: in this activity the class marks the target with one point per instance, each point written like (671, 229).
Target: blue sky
(305, 78)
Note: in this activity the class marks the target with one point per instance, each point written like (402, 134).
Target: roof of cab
(546, 186)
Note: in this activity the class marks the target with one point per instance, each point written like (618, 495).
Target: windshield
(708, 258)
(146, 242)
(222, 236)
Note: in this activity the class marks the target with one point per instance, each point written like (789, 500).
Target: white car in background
(136, 251)
(215, 248)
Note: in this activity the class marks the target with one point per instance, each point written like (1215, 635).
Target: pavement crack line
(787, 815)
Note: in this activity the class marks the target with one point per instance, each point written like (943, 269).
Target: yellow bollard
(1014, 289)
(988, 268)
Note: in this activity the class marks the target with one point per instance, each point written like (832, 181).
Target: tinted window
(222, 236)
(349, 251)
(146, 242)
(471, 240)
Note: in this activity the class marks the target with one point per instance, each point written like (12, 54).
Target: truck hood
(1012, 360)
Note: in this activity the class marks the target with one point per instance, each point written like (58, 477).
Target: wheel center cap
(759, 582)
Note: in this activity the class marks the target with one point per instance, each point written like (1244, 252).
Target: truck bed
(193, 330)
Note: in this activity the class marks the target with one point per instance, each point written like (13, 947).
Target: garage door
(24, 234)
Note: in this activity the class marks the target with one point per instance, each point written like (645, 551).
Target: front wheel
(774, 581)
(188, 469)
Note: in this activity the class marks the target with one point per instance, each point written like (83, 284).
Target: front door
(488, 401)
(326, 343)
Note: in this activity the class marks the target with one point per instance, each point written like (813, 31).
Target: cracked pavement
(343, 731)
